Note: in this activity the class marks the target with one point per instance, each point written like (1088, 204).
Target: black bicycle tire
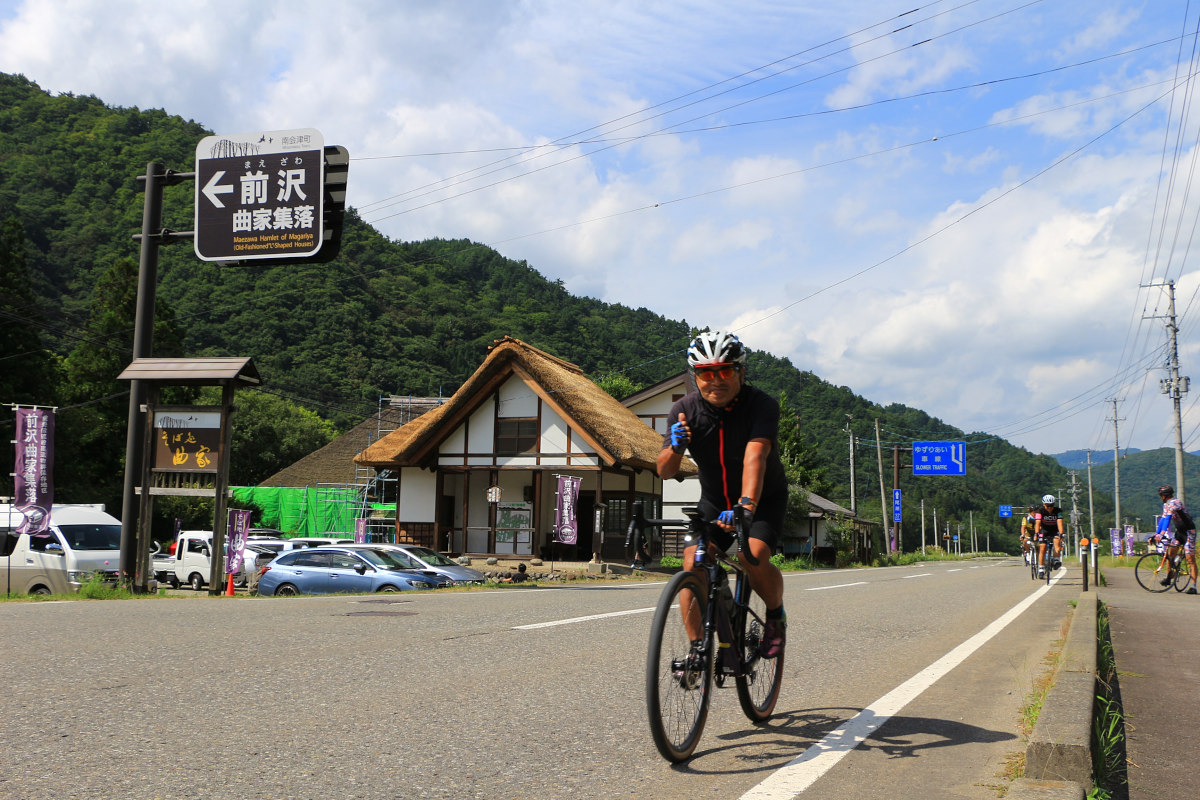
(1048, 558)
(669, 704)
(757, 704)
(1183, 575)
(1033, 562)
(1148, 577)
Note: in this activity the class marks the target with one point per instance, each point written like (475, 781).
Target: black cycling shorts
(768, 520)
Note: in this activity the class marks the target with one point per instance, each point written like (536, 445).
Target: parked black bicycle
(703, 633)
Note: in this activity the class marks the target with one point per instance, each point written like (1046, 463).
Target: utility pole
(853, 493)
(1116, 467)
(883, 503)
(1174, 385)
(923, 525)
(1075, 511)
(1091, 507)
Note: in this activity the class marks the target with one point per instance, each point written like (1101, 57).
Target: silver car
(433, 562)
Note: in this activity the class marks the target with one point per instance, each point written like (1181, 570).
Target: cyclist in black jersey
(1048, 527)
(731, 430)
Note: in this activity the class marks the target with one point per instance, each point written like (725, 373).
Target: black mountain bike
(726, 628)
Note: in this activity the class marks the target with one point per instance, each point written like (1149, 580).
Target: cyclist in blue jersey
(1175, 535)
(731, 430)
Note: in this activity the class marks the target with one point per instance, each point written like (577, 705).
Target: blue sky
(956, 206)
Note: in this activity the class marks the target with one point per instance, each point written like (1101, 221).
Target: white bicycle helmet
(715, 347)
(1048, 499)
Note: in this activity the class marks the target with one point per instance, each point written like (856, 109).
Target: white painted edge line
(918, 575)
(803, 771)
(836, 586)
(573, 620)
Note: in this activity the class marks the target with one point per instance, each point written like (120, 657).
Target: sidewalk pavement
(1156, 644)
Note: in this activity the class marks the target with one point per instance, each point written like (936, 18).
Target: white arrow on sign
(212, 188)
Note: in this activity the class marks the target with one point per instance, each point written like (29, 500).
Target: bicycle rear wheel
(1150, 571)
(760, 679)
(678, 679)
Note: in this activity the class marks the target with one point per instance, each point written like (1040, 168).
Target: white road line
(837, 586)
(956, 569)
(803, 771)
(573, 620)
(918, 575)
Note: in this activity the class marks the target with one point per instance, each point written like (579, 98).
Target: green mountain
(385, 317)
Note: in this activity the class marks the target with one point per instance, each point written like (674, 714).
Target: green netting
(299, 512)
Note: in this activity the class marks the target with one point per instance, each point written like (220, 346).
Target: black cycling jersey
(718, 446)
(1046, 521)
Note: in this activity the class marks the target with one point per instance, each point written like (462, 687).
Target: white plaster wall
(517, 399)
(418, 495)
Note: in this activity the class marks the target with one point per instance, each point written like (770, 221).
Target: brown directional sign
(259, 195)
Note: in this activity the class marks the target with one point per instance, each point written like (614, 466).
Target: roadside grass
(95, 589)
(1108, 718)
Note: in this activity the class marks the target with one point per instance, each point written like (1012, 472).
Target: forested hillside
(385, 317)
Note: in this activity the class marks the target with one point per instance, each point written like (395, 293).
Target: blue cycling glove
(679, 437)
(725, 517)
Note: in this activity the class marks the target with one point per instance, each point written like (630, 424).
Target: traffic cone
(229, 587)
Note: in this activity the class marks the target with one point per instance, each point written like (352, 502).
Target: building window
(515, 436)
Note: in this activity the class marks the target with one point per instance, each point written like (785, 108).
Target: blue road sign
(939, 458)
(895, 505)
(1006, 511)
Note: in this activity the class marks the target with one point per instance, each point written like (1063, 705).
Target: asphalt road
(431, 695)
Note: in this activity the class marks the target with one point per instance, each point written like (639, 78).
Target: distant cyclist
(1027, 528)
(1048, 528)
(1173, 537)
(731, 430)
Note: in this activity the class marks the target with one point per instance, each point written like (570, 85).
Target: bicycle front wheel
(760, 678)
(679, 676)
(1151, 571)
(1183, 576)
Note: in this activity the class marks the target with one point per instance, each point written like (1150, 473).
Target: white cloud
(843, 248)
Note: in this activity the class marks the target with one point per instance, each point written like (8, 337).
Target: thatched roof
(614, 431)
(334, 463)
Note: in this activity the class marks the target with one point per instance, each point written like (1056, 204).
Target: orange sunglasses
(706, 374)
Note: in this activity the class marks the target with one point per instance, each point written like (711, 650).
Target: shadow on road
(788, 735)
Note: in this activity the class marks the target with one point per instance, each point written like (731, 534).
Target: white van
(82, 540)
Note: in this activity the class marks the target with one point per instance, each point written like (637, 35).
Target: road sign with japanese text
(939, 458)
(1006, 511)
(896, 505)
(259, 195)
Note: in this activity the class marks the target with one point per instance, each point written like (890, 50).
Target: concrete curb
(1058, 760)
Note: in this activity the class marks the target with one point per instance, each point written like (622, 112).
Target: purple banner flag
(34, 468)
(235, 540)
(566, 525)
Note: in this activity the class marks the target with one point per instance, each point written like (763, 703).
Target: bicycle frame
(711, 561)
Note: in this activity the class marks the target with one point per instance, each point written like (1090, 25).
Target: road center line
(837, 586)
(918, 575)
(804, 770)
(573, 620)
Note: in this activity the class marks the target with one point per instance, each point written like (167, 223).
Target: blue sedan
(332, 570)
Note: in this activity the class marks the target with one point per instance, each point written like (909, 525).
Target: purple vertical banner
(360, 530)
(34, 468)
(566, 524)
(1114, 535)
(235, 541)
